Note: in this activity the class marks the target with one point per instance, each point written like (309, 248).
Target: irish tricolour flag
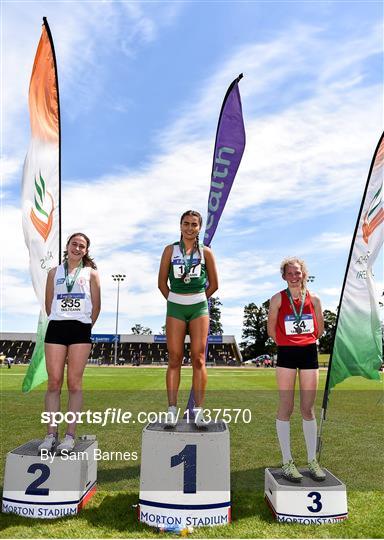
(41, 188)
(358, 342)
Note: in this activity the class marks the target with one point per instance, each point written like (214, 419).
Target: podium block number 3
(33, 488)
(316, 504)
(188, 457)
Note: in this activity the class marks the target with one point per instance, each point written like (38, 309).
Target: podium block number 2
(33, 488)
(188, 457)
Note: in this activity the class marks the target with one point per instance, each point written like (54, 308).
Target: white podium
(308, 502)
(49, 488)
(185, 476)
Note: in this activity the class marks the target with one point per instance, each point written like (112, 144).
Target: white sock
(310, 436)
(283, 428)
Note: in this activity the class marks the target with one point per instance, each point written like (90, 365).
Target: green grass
(353, 439)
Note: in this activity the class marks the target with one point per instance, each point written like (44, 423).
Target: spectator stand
(133, 350)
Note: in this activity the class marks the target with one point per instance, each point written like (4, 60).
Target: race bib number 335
(70, 302)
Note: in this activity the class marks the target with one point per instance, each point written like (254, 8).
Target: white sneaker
(48, 443)
(172, 416)
(66, 444)
(200, 421)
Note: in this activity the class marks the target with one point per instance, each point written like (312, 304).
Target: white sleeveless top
(76, 305)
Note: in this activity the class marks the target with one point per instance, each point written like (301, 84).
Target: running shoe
(171, 417)
(48, 443)
(200, 421)
(315, 471)
(290, 472)
(67, 444)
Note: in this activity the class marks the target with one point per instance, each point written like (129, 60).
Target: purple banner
(229, 148)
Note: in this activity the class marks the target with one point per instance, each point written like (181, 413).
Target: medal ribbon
(188, 264)
(297, 315)
(70, 280)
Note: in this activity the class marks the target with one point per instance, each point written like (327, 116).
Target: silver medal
(187, 279)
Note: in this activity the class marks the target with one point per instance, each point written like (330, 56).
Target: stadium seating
(131, 350)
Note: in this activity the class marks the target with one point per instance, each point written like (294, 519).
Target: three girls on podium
(295, 322)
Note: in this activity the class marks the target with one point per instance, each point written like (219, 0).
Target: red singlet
(290, 332)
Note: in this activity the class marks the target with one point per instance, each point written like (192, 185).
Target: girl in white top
(72, 303)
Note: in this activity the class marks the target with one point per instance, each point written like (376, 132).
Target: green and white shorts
(187, 307)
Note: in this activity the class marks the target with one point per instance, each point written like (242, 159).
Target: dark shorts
(68, 332)
(294, 357)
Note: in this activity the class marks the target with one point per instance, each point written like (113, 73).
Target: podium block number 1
(33, 488)
(188, 457)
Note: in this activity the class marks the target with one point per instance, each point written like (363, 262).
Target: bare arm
(273, 313)
(95, 295)
(210, 264)
(49, 288)
(165, 262)
(319, 314)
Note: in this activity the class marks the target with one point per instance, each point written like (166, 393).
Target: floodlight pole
(119, 278)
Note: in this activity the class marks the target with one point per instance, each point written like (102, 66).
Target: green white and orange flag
(357, 348)
(41, 188)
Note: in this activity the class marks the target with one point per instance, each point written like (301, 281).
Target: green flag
(357, 348)
(41, 189)
(37, 373)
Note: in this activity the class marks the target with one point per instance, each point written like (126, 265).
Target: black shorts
(68, 332)
(294, 357)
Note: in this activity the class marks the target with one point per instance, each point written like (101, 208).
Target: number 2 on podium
(33, 488)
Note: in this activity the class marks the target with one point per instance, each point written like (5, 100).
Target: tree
(138, 329)
(163, 330)
(326, 340)
(255, 336)
(215, 326)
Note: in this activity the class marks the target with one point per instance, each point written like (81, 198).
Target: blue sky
(141, 86)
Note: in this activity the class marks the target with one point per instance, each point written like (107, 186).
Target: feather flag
(357, 347)
(41, 188)
(228, 151)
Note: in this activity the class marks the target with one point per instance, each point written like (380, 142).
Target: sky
(141, 87)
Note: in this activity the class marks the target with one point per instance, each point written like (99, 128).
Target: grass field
(353, 440)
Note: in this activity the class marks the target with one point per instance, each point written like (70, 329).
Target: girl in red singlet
(295, 322)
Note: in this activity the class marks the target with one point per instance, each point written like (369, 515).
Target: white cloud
(232, 318)
(82, 32)
(330, 291)
(18, 295)
(308, 157)
(9, 166)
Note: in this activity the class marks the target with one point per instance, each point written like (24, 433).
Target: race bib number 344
(303, 326)
(71, 303)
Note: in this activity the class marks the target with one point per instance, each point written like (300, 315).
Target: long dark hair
(196, 246)
(87, 260)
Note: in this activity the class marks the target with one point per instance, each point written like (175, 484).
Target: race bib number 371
(71, 303)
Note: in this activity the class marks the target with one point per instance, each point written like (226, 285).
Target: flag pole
(237, 132)
(45, 23)
(326, 389)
